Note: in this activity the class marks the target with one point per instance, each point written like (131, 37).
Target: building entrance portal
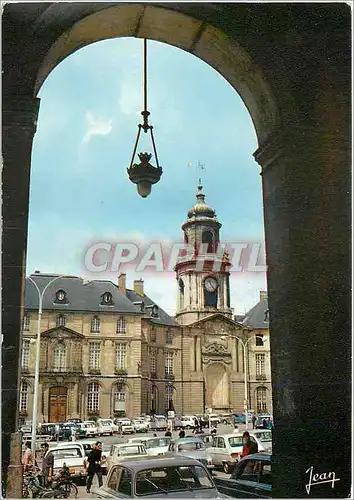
(217, 387)
(58, 398)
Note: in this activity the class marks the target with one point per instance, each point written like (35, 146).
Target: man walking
(254, 420)
(27, 458)
(94, 467)
(47, 464)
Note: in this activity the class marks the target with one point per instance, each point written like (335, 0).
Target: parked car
(251, 478)
(73, 456)
(173, 477)
(90, 429)
(265, 437)
(106, 426)
(123, 450)
(125, 426)
(259, 424)
(226, 418)
(141, 425)
(154, 445)
(187, 421)
(191, 447)
(226, 450)
(158, 423)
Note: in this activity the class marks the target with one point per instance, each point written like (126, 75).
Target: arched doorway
(120, 399)
(217, 387)
(58, 400)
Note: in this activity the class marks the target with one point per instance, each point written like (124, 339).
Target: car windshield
(192, 446)
(264, 436)
(156, 443)
(105, 422)
(168, 479)
(235, 441)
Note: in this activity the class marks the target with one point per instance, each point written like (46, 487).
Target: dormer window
(154, 312)
(259, 340)
(60, 297)
(95, 324)
(107, 299)
(61, 320)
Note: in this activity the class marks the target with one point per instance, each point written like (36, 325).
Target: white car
(90, 429)
(154, 445)
(187, 421)
(74, 458)
(121, 451)
(126, 426)
(106, 426)
(141, 425)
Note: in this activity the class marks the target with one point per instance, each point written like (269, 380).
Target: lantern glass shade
(144, 189)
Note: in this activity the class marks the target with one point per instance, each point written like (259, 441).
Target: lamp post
(244, 346)
(38, 346)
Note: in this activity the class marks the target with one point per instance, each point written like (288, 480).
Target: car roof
(121, 445)
(263, 455)
(145, 462)
(187, 439)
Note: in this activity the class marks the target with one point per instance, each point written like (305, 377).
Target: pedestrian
(235, 428)
(270, 424)
(27, 457)
(182, 434)
(254, 420)
(265, 423)
(213, 430)
(168, 433)
(94, 467)
(47, 464)
(249, 445)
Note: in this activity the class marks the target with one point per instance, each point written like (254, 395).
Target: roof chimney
(122, 283)
(139, 287)
(263, 295)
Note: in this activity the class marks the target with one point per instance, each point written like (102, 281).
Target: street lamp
(38, 346)
(244, 345)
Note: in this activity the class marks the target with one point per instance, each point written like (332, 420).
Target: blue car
(251, 478)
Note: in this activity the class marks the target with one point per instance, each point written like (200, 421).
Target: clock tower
(203, 279)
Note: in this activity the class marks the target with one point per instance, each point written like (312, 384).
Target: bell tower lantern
(203, 281)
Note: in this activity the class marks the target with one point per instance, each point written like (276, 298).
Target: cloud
(95, 126)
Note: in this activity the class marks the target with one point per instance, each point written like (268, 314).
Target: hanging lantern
(144, 174)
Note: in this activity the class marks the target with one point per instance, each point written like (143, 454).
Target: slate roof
(255, 318)
(163, 319)
(82, 295)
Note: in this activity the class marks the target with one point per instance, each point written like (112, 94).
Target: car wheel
(226, 468)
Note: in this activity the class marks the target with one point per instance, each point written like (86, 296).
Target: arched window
(23, 396)
(207, 240)
(61, 320)
(93, 397)
(26, 321)
(261, 397)
(59, 358)
(95, 324)
(121, 325)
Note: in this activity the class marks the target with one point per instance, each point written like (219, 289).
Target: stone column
(233, 354)
(199, 355)
(306, 175)
(19, 116)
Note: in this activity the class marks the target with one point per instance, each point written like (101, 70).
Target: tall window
(61, 320)
(121, 325)
(121, 356)
(25, 354)
(95, 324)
(153, 335)
(95, 355)
(207, 240)
(26, 321)
(169, 396)
(261, 396)
(119, 398)
(168, 336)
(23, 396)
(260, 364)
(169, 363)
(181, 293)
(93, 397)
(59, 358)
(153, 362)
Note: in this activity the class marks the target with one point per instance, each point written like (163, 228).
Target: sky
(80, 193)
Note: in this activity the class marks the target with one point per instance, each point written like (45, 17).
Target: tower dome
(201, 209)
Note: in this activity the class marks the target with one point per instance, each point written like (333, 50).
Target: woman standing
(249, 445)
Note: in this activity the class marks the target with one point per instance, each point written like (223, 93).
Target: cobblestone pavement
(222, 429)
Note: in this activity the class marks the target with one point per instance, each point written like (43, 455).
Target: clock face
(210, 284)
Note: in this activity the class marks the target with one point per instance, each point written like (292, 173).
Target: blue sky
(80, 192)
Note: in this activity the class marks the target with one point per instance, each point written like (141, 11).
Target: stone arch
(188, 33)
(217, 387)
(121, 386)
